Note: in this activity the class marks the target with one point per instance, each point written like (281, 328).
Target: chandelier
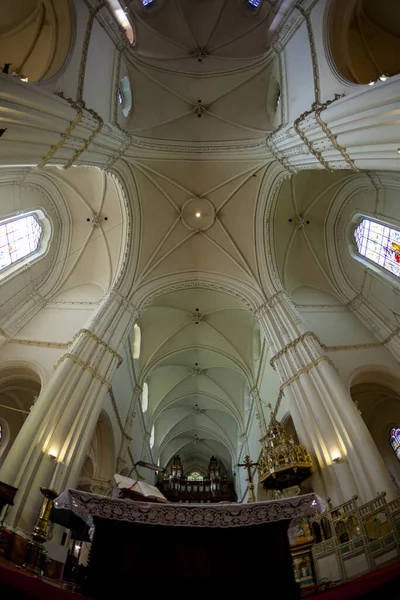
(282, 462)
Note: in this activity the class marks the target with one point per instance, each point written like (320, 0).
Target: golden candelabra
(34, 557)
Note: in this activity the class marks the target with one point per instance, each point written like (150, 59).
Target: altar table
(194, 550)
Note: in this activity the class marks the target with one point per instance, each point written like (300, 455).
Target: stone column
(44, 129)
(122, 459)
(359, 131)
(54, 440)
(326, 420)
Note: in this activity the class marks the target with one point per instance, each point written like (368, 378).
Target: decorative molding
(292, 344)
(39, 343)
(85, 367)
(366, 346)
(99, 341)
(332, 137)
(63, 138)
(306, 369)
(277, 154)
(192, 284)
(143, 144)
(126, 143)
(87, 506)
(310, 146)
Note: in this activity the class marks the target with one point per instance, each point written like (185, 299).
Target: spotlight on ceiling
(198, 214)
(383, 77)
(371, 83)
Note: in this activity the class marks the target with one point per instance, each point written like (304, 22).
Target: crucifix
(248, 464)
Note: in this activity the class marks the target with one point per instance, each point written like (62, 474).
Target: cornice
(141, 148)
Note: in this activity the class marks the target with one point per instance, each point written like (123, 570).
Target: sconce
(53, 454)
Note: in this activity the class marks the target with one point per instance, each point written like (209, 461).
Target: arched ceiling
(364, 38)
(220, 243)
(301, 210)
(312, 229)
(200, 71)
(35, 36)
(203, 36)
(84, 208)
(198, 356)
(94, 203)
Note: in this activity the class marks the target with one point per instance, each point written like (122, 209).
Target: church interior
(200, 294)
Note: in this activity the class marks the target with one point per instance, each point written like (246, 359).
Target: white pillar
(44, 129)
(359, 131)
(65, 415)
(325, 417)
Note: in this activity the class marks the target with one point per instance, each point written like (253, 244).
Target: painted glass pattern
(379, 243)
(254, 3)
(146, 2)
(395, 441)
(18, 238)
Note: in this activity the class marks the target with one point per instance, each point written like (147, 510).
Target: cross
(248, 464)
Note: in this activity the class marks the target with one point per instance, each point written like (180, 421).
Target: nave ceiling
(199, 356)
(202, 72)
(312, 234)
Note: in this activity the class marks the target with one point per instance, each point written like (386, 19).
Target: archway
(35, 37)
(363, 39)
(20, 385)
(99, 466)
(377, 396)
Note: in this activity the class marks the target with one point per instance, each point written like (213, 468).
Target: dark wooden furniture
(206, 549)
(7, 494)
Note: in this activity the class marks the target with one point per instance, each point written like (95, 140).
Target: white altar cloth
(86, 506)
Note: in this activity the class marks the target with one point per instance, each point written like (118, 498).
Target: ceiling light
(398, 150)
(198, 214)
(383, 77)
(371, 83)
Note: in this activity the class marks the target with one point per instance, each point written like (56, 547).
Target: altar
(190, 549)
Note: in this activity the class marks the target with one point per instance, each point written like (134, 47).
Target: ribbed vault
(199, 350)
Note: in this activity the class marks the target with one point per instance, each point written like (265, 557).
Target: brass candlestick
(34, 556)
(248, 464)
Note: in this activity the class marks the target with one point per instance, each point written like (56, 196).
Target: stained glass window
(146, 2)
(195, 476)
(254, 3)
(395, 441)
(379, 243)
(18, 238)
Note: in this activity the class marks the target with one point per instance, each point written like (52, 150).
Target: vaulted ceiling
(199, 351)
(201, 71)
